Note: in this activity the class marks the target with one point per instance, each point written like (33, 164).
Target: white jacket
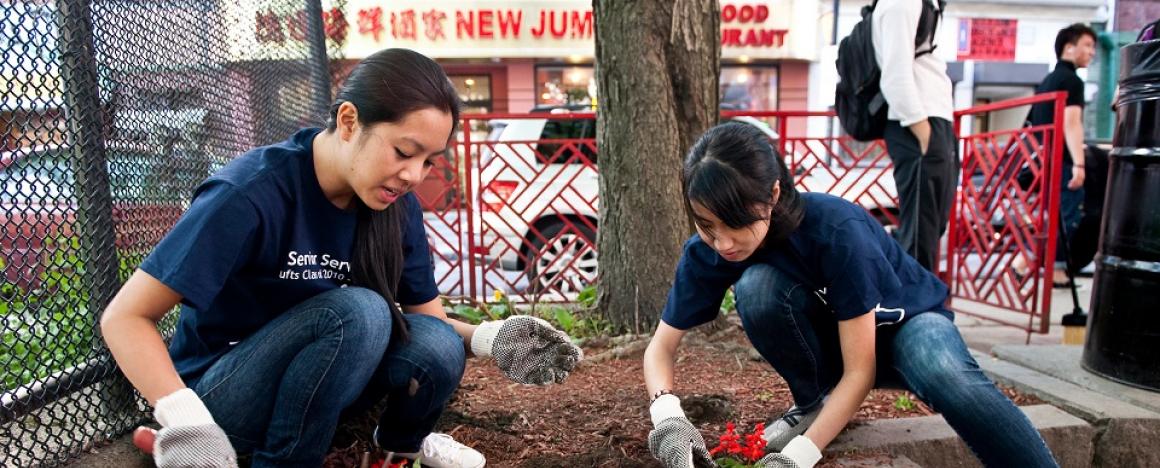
(914, 88)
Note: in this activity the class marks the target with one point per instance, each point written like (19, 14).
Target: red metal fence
(1007, 208)
(527, 224)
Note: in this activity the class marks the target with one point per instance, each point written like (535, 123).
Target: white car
(537, 207)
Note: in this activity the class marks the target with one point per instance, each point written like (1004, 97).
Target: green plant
(587, 297)
(564, 318)
(766, 395)
(501, 308)
(728, 304)
(50, 329)
(904, 403)
(576, 322)
(468, 314)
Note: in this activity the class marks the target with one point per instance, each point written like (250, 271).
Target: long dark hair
(385, 87)
(731, 171)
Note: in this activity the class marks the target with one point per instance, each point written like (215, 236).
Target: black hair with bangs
(731, 171)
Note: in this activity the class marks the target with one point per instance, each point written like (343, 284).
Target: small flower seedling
(733, 452)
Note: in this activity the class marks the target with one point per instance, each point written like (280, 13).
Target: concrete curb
(1125, 434)
(1062, 362)
(876, 461)
(930, 441)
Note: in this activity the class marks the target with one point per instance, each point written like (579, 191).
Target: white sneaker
(441, 451)
(793, 423)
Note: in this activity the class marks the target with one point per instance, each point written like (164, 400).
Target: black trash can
(1123, 336)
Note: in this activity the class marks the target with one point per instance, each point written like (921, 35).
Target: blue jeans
(796, 332)
(1070, 214)
(279, 392)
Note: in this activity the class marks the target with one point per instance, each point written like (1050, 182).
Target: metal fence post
(320, 69)
(95, 228)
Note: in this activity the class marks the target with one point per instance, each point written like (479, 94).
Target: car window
(39, 178)
(139, 174)
(582, 130)
(136, 175)
(496, 131)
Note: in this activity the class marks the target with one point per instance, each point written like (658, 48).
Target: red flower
(730, 443)
(383, 464)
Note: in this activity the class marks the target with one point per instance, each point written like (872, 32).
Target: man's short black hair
(1071, 35)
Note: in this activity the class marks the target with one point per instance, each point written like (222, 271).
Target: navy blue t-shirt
(259, 238)
(838, 250)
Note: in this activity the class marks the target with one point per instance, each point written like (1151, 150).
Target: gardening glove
(800, 452)
(674, 441)
(189, 437)
(527, 349)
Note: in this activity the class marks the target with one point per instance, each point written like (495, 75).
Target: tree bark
(657, 69)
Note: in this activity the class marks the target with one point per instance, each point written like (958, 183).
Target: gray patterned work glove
(674, 441)
(776, 460)
(800, 452)
(527, 349)
(189, 437)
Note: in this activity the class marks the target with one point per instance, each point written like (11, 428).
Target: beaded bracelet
(663, 391)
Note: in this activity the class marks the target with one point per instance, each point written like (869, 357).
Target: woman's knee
(765, 295)
(360, 315)
(930, 355)
(437, 348)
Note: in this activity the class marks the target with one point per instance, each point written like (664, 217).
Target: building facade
(513, 56)
(995, 50)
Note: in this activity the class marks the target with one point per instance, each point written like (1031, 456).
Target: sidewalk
(983, 335)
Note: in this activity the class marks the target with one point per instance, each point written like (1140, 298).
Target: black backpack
(861, 107)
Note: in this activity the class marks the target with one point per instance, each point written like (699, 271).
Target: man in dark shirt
(1075, 48)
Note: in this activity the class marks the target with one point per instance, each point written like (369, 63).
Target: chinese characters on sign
(478, 24)
(987, 39)
(507, 28)
(274, 28)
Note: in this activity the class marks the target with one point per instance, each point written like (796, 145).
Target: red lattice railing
(527, 224)
(1006, 211)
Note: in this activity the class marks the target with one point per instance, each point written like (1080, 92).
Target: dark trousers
(926, 186)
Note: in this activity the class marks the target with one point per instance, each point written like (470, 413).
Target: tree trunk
(657, 69)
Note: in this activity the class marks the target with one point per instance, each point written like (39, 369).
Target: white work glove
(527, 349)
(189, 437)
(674, 441)
(800, 452)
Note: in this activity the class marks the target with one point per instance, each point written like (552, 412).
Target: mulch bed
(599, 416)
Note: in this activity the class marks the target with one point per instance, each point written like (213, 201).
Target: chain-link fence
(113, 111)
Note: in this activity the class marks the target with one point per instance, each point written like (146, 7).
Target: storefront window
(747, 87)
(474, 91)
(565, 85)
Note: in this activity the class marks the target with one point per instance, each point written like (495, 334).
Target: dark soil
(599, 416)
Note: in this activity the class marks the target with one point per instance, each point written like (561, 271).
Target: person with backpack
(829, 300)
(892, 86)
(919, 134)
(307, 290)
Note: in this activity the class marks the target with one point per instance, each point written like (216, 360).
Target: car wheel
(562, 258)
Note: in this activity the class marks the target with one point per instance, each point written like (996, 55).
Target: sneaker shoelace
(793, 416)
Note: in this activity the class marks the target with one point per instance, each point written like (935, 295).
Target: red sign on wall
(987, 39)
